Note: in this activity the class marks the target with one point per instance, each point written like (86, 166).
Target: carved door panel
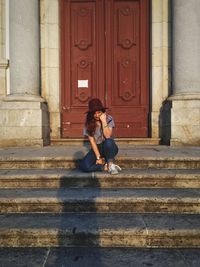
(105, 55)
(127, 80)
(82, 61)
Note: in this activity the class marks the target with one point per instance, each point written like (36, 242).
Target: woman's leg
(109, 149)
(88, 163)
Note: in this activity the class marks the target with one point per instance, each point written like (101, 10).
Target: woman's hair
(90, 122)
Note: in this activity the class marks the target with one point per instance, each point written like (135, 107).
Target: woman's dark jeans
(108, 150)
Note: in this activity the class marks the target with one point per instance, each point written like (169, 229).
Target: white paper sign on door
(82, 83)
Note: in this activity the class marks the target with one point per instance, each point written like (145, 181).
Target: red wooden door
(105, 54)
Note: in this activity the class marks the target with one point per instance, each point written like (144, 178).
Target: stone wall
(23, 123)
(185, 120)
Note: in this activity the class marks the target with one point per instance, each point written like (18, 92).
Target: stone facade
(23, 113)
(170, 117)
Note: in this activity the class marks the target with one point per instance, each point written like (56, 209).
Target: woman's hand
(107, 131)
(100, 161)
(96, 150)
(103, 118)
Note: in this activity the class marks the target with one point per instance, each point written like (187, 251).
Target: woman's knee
(109, 143)
(84, 166)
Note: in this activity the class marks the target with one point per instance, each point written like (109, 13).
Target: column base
(185, 120)
(23, 98)
(24, 123)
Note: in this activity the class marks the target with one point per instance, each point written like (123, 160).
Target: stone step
(124, 162)
(129, 156)
(99, 257)
(119, 141)
(128, 178)
(100, 200)
(100, 230)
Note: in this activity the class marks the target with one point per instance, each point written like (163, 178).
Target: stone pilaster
(160, 65)
(3, 60)
(50, 61)
(185, 112)
(23, 113)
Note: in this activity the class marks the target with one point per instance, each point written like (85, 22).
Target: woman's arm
(95, 149)
(107, 131)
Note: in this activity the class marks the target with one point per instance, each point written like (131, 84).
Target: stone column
(24, 49)
(185, 113)
(24, 114)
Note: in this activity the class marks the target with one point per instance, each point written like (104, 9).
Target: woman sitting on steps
(98, 128)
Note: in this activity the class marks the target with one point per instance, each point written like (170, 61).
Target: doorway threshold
(131, 141)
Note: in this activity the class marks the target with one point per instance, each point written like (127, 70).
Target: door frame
(51, 54)
(143, 68)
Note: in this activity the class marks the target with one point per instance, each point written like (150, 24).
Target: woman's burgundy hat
(95, 105)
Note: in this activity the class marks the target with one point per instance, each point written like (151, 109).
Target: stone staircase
(153, 203)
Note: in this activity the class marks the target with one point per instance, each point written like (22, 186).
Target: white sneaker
(114, 169)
